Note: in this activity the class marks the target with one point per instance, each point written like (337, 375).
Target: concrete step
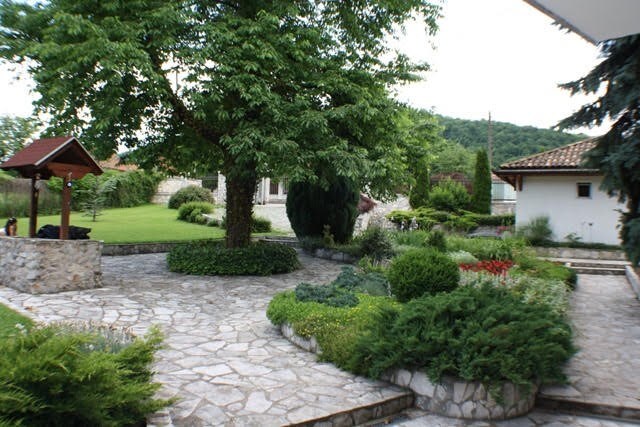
(362, 415)
(572, 406)
(603, 271)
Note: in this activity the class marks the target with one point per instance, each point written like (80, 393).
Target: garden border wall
(452, 397)
(580, 253)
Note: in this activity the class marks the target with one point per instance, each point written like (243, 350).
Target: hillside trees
(616, 80)
(254, 88)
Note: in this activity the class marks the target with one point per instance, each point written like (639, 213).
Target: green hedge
(428, 217)
(52, 376)
(193, 212)
(212, 258)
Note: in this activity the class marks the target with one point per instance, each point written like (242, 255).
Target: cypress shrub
(310, 208)
(419, 195)
(481, 202)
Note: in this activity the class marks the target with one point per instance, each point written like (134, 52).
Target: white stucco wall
(594, 219)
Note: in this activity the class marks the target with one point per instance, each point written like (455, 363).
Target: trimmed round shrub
(192, 211)
(213, 258)
(192, 193)
(310, 208)
(450, 196)
(421, 272)
(260, 224)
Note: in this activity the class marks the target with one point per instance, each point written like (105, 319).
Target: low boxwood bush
(191, 193)
(192, 211)
(485, 248)
(543, 269)
(53, 376)
(479, 334)
(422, 271)
(337, 329)
(212, 258)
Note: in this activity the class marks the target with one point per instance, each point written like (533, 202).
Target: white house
(556, 184)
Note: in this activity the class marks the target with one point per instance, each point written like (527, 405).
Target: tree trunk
(240, 191)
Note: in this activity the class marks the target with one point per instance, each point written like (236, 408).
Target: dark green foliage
(192, 211)
(437, 240)
(537, 231)
(509, 141)
(371, 283)
(212, 258)
(617, 153)
(125, 189)
(481, 202)
(479, 334)
(450, 196)
(51, 377)
(422, 271)
(419, 195)
(333, 296)
(95, 195)
(492, 220)
(375, 243)
(310, 208)
(191, 193)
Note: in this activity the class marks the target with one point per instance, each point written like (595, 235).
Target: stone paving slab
(223, 359)
(605, 316)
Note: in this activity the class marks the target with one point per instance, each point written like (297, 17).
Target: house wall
(594, 219)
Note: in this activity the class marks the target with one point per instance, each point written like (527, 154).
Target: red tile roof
(566, 157)
(36, 152)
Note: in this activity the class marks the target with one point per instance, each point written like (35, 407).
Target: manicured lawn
(9, 319)
(148, 223)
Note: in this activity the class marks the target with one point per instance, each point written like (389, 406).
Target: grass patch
(9, 319)
(147, 223)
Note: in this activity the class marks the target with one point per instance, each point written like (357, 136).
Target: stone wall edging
(580, 253)
(452, 397)
(633, 279)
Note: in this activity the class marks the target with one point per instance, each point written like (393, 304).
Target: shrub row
(426, 218)
(212, 258)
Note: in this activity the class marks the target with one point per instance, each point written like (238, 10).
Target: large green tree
(15, 132)
(251, 88)
(616, 81)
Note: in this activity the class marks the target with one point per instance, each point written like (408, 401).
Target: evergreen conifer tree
(482, 184)
(419, 195)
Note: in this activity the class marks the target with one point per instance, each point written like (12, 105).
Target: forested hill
(509, 141)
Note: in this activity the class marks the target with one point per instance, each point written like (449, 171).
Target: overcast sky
(501, 56)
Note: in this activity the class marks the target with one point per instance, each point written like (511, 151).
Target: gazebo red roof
(53, 157)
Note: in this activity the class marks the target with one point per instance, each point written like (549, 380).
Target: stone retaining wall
(41, 266)
(580, 253)
(452, 397)
(137, 248)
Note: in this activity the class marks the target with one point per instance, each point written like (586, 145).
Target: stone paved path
(606, 321)
(224, 360)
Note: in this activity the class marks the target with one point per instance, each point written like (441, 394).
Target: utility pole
(490, 143)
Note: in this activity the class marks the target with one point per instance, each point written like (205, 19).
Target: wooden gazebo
(63, 157)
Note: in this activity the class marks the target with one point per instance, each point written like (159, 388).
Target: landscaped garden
(481, 309)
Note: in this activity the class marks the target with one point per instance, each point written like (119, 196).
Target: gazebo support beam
(66, 207)
(33, 208)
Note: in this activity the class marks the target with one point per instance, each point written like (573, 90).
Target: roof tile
(36, 151)
(566, 157)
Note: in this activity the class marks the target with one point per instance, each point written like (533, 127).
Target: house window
(285, 185)
(584, 190)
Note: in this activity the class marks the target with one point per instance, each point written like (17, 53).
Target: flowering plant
(493, 266)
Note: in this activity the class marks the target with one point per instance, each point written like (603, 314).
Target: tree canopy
(251, 88)
(617, 153)
(15, 133)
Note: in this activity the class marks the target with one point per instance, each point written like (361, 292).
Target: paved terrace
(229, 366)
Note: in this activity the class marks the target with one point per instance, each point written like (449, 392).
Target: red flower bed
(499, 268)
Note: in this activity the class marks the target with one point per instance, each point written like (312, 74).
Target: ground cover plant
(57, 376)
(212, 258)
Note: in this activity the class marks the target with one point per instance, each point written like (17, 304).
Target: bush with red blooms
(493, 266)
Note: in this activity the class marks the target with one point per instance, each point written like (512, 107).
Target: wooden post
(66, 207)
(33, 209)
